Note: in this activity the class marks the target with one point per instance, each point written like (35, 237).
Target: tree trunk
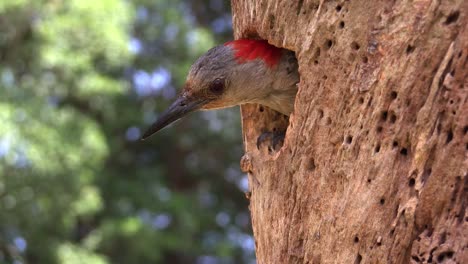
(374, 164)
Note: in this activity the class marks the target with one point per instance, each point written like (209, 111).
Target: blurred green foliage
(78, 80)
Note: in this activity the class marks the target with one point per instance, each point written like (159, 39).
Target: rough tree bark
(374, 164)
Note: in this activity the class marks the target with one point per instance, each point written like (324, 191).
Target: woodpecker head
(238, 72)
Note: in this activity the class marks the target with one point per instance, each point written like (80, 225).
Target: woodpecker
(235, 73)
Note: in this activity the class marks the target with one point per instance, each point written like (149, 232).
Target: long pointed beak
(181, 107)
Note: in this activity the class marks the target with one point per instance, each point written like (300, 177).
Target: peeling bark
(374, 164)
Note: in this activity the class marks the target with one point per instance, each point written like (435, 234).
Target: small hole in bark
(272, 21)
(369, 180)
(453, 17)
(328, 43)
(356, 239)
(320, 113)
(409, 49)
(393, 118)
(449, 136)
(393, 95)
(338, 8)
(395, 144)
(451, 101)
(415, 258)
(404, 151)
(329, 121)
(358, 259)
(315, 62)
(311, 165)
(299, 7)
(377, 148)
(379, 129)
(465, 130)
(384, 116)
(274, 129)
(349, 139)
(382, 201)
(443, 255)
(412, 182)
(342, 24)
(355, 45)
(261, 109)
(365, 59)
(361, 100)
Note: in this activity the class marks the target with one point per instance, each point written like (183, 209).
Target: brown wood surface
(374, 164)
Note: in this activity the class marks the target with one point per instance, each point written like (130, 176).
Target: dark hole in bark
(349, 139)
(382, 201)
(412, 182)
(395, 144)
(312, 165)
(272, 21)
(449, 136)
(338, 8)
(361, 100)
(356, 239)
(453, 17)
(443, 255)
(379, 129)
(320, 113)
(299, 6)
(355, 45)
(393, 118)
(384, 116)
(365, 59)
(404, 151)
(329, 43)
(261, 109)
(409, 49)
(377, 148)
(342, 24)
(358, 259)
(393, 95)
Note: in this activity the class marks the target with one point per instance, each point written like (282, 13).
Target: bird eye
(217, 86)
